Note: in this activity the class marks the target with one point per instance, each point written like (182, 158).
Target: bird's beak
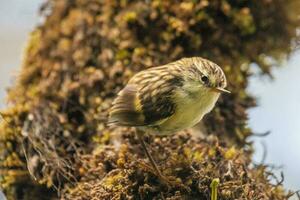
(219, 89)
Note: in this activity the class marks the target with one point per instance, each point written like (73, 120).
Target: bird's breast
(189, 110)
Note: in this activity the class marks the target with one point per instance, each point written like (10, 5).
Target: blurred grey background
(278, 100)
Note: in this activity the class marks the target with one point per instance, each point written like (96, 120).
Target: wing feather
(147, 99)
(124, 110)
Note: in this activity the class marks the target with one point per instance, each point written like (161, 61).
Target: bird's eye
(204, 79)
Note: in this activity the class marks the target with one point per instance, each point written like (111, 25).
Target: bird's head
(205, 74)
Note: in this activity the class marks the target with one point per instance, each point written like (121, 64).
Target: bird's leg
(140, 137)
(153, 163)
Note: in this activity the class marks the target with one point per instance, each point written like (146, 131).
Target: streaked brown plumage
(149, 98)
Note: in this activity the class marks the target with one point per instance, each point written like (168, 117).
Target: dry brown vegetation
(54, 142)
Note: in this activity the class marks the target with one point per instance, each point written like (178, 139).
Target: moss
(230, 153)
(54, 130)
(125, 174)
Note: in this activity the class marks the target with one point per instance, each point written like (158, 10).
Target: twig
(264, 156)
(261, 134)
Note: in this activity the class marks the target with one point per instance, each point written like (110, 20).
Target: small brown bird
(166, 99)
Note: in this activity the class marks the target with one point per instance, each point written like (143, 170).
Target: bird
(169, 98)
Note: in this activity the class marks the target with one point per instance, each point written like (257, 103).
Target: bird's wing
(146, 100)
(124, 110)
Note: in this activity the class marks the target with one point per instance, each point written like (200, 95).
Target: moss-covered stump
(121, 171)
(85, 51)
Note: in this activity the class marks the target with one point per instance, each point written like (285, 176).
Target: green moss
(82, 55)
(129, 174)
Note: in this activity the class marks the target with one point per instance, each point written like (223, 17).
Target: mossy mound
(85, 51)
(121, 172)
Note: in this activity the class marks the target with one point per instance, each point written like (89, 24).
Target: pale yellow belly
(188, 113)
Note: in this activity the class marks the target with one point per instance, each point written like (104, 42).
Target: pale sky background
(279, 111)
(278, 100)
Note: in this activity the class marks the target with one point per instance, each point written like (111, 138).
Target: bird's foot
(170, 182)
